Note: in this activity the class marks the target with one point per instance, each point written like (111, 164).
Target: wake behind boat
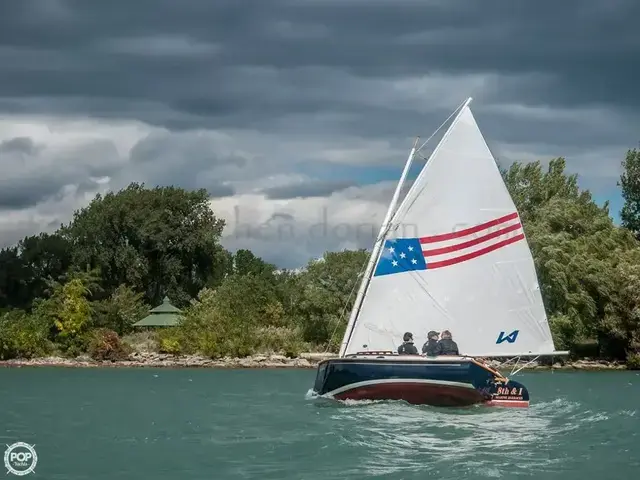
(466, 268)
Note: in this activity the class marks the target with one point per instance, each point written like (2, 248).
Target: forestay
(455, 257)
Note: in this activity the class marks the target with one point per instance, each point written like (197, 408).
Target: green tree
(27, 268)
(67, 311)
(22, 336)
(246, 263)
(46, 257)
(210, 329)
(577, 252)
(326, 293)
(66, 314)
(531, 188)
(120, 311)
(75, 310)
(222, 266)
(160, 241)
(287, 287)
(630, 184)
(14, 292)
(250, 298)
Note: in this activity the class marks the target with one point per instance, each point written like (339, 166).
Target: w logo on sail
(511, 338)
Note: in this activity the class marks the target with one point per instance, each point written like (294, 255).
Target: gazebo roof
(164, 315)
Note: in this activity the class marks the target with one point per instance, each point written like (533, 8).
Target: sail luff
(375, 253)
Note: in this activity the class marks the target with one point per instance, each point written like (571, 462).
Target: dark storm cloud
(326, 76)
(23, 145)
(32, 174)
(226, 59)
(27, 192)
(189, 160)
(220, 190)
(306, 189)
(197, 150)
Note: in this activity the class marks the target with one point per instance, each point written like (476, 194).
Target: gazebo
(164, 315)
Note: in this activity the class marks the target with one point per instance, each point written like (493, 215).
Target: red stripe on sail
(471, 243)
(468, 231)
(477, 253)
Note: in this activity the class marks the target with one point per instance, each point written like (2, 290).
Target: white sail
(455, 257)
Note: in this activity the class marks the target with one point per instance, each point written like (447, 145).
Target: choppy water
(227, 424)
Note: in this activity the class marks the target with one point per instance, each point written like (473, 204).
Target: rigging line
(364, 284)
(446, 133)
(335, 329)
(441, 125)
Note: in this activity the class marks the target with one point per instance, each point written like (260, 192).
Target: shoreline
(304, 361)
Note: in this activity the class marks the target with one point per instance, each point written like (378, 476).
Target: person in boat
(430, 347)
(407, 347)
(446, 345)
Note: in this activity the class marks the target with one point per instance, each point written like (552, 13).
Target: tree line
(79, 289)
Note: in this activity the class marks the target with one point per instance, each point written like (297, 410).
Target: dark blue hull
(440, 381)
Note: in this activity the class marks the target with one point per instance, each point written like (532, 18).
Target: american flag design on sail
(446, 249)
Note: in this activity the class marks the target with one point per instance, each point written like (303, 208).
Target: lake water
(225, 424)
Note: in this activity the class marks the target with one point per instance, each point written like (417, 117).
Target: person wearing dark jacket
(446, 345)
(407, 347)
(430, 348)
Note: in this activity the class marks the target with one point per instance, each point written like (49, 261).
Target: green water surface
(161, 424)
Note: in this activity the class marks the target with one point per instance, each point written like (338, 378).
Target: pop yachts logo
(20, 458)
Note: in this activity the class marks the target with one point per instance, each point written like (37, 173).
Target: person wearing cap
(407, 347)
(430, 347)
(446, 345)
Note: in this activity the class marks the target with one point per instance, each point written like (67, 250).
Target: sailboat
(452, 256)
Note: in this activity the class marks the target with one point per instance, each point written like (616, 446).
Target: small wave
(311, 394)
(329, 400)
(402, 438)
(590, 417)
(441, 435)
(362, 403)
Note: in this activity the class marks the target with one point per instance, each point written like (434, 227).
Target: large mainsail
(455, 257)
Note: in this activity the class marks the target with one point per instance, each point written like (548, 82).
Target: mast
(375, 253)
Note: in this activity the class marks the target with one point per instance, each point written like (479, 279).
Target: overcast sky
(298, 115)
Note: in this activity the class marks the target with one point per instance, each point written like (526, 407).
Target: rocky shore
(584, 364)
(159, 360)
(305, 360)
